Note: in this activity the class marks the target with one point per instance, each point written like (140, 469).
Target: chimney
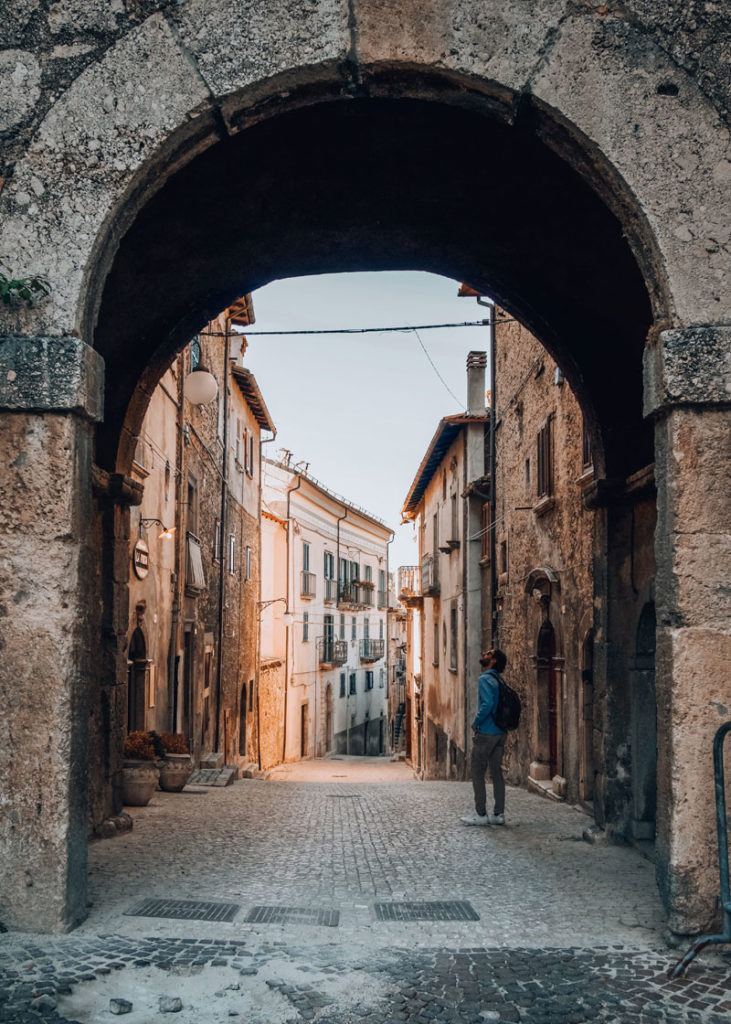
(476, 364)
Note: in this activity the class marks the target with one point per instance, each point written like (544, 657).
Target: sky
(362, 409)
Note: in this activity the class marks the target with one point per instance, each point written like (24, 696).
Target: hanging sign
(141, 559)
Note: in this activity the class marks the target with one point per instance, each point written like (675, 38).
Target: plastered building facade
(332, 653)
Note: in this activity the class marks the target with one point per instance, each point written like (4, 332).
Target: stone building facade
(445, 500)
(195, 553)
(612, 125)
(332, 651)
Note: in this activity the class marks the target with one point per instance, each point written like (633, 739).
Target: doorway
(587, 719)
(644, 729)
(547, 699)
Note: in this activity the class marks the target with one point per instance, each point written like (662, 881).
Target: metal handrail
(723, 867)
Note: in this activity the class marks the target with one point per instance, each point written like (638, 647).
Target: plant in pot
(139, 771)
(177, 766)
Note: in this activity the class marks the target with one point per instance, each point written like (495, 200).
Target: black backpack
(506, 715)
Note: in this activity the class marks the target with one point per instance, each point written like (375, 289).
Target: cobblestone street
(565, 930)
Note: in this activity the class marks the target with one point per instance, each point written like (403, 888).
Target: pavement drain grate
(440, 910)
(185, 910)
(293, 915)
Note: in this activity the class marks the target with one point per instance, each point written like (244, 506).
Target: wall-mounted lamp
(287, 617)
(200, 386)
(165, 531)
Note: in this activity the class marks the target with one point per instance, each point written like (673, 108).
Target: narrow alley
(343, 890)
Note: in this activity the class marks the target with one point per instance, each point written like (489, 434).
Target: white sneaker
(496, 819)
(475, 819)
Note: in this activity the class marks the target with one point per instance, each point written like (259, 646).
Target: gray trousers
(487, 752)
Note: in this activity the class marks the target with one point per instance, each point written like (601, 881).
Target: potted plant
(139, 771)
(176, 767)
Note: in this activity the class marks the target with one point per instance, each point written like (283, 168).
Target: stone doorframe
(169, 88)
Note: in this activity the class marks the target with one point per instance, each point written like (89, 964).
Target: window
(435, 659)
(342, 684)
(195, 354)
(250, 467)
(544, 473)
(194, 575)
(380, 629)
(381, 678)
(366, 628)
(329, 628)
(354, 571)
(231, 554)
(342, 627)
(453, 638)
(344, 570)
(305, 556)
(329, 565)
(586, 456)
(352, 682)
(354, 628)
(503, 556)
(444, 485)
(251, 695)
(305, 627)
(455, 524)
(192, 505)
(368, 574)
(369, 679)
(435, 532)
(239, 434)
(217, 542)
(527, 474)
(247, 575)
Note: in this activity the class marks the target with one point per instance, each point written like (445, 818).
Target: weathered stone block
(51, 374)
(688, 367)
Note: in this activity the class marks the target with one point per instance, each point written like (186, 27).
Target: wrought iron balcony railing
(409, 581)
(331, 651)
(371, 650)
(349, 593)
(308, 584)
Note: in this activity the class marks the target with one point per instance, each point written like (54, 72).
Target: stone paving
(567, 931)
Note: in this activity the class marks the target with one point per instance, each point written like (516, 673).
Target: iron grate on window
(439, 910)
(184, 910)
(293, 915)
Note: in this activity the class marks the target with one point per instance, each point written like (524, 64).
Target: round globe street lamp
(200, 386)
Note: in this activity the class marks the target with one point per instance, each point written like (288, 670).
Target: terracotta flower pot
(139, 781)
(175, 771)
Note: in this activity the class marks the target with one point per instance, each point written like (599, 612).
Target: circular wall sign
(141, 559)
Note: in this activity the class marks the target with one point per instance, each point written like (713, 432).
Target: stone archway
(370, 107)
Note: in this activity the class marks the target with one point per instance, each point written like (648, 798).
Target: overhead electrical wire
(361, 330)
(418, 338)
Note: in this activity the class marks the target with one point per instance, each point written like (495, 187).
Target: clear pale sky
(362, 409)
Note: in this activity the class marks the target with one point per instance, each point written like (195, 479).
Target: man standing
(488, 744)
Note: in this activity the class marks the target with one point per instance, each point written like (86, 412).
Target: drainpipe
(389, 701)
(224, 553)
(493, 417)
(288, 628)
(347, 666)
(180, 541)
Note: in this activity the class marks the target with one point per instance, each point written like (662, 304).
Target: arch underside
(384, 184)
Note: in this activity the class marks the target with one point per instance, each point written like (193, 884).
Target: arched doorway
(329, 736)
(243, 706)
(587, 719)
(548, 697)
(644, 729)
(136, 681)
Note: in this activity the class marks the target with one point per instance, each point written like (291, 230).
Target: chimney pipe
(476, 364)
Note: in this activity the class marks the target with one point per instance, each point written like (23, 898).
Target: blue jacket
(487, 697)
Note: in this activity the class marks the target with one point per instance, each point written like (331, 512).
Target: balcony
(430, 575)
(331, 590)
(350, 594)
(308, 583)
(371, 650)
(331, 652)
(409, 581)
